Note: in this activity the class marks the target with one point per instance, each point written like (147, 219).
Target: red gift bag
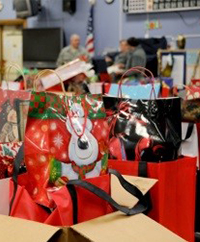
(79, 201)
(88, 205)
(14, 104)
(13, 116)
(66, 138)
(23, 205)
(62, 215)
(173, 197)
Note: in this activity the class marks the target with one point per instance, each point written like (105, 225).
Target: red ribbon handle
(85, 119)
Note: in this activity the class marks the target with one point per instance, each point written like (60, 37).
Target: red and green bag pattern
(66, 138)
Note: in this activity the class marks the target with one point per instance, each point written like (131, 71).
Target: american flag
(90, 34)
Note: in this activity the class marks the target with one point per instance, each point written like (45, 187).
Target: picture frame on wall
(172, 64)
(190, 66)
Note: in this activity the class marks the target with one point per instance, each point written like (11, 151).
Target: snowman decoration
(83, 148)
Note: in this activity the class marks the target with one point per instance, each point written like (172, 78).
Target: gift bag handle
(17, 68)
(140, 207)
(71, 116)
(141, 70)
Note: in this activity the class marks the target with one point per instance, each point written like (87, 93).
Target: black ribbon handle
(140, 207)
(18, 161)
(189, 131)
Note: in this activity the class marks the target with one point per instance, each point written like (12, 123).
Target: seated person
(136, 56)
(73, 51)
(117, 57)
(121, 57)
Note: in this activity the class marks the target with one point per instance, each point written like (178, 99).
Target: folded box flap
(121, 196)
(20, 230)
(117, 227)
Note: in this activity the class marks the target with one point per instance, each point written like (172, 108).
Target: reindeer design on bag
(83, 147)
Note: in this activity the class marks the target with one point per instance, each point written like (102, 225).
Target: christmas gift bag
(134, 91)
(148, 130)
(66, 138)
(190, 105)
(13, 116)
(190, 102)
(8, 152)
(173, 196)
(79, 200)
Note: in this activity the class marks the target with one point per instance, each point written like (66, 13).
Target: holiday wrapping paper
(66, 138)
(13, 115)
(8, 152)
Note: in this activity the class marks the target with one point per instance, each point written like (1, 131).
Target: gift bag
(66, 138)
(134, 91)
(190, 102)
(13, 116)
(78, 201)
(8, 152)
(173, 197)
(148, 130)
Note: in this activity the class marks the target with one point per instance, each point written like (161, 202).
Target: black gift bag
(148, 130)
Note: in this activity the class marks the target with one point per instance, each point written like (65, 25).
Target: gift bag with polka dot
(66, 138)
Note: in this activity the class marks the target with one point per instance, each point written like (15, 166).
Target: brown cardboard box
(115, 227)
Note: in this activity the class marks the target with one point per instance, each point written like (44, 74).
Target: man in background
(118, 57)
(136, 55)
(73, 51)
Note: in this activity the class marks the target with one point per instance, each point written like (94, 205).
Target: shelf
(165, 10)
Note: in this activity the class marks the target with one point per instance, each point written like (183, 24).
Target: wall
(106, 21)
(173, 23)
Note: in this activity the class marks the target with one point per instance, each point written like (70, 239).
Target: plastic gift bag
(134, 91)
(13, 116)
(141, 129)
(79, 200)
(66, 138)
(190, 104)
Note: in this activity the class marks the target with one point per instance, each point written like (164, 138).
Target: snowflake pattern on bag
(50, 137)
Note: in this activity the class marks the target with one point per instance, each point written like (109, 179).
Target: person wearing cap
(136, 55)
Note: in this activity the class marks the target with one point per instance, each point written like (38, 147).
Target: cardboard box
(115, 227)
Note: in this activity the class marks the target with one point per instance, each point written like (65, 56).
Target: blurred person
(73, 51)
(121, 57)
(118, 57)
(136, 55)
